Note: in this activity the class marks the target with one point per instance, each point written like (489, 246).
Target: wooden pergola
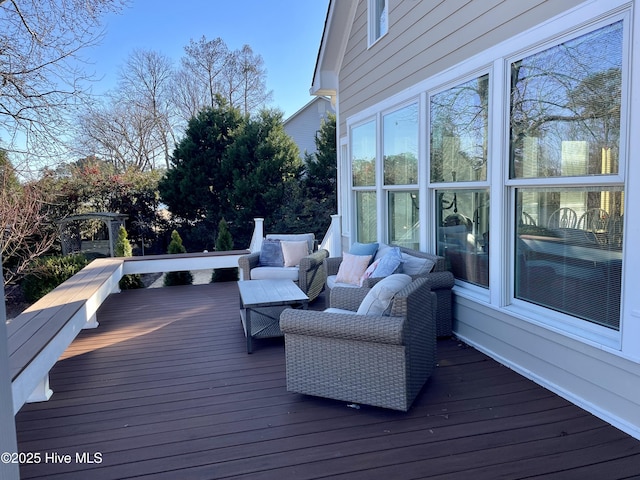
(70, 232)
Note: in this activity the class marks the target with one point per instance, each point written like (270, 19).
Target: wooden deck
(164, 389)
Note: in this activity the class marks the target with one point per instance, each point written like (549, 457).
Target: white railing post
(258, 235)
(332, 240)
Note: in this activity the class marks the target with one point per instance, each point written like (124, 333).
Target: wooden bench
(38, 336)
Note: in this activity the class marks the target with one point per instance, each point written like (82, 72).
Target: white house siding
(303, 125)
(425, 41)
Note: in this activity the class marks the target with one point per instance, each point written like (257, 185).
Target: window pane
(379, 18)
(463, 233)
(404, 223)
(569, 251)
(565, 108)
(459, 132)
(366, 228)
(401, 147)
(363, 151)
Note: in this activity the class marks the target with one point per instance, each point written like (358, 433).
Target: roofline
(333, 45)
(300, 110)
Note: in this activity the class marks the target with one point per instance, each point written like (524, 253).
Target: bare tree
(41, 81)
(204, 62)
(251, 92)
(25, 229)
(210, 68)
(122, 134)
(136, 126)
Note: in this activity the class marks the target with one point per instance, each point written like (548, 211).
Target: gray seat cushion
(275, 273)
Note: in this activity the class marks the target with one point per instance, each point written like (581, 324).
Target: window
(459, 146)
(378, 20)
(363, 171)
(400, 173)
(565, 123)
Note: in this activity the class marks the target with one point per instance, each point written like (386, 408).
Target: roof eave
(335, 36)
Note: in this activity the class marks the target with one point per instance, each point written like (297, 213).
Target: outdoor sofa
(414, 263)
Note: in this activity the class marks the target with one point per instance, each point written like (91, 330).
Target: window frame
(374, 21)
(476, 290)
(537, 314)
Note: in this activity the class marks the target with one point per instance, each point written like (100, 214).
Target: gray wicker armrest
(312, 261)
(440, 280)
(347, 298)
(247, 262)
(365, 328)
(332, 264)
(312, 277)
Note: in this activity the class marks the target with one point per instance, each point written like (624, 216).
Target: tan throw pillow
(293, 252)
(352, 268)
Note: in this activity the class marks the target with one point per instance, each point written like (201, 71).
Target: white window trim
(373, 22)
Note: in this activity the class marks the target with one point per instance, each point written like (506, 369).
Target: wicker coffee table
(262, 302)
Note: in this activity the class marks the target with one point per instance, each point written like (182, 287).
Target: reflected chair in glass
(596, 221)
(564, 217)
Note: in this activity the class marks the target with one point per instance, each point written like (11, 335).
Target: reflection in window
(404, 223)
(463, 233)
(459, 132)
(401, 146)
(363, 154)
(565, 108)
(366, 217)
(569, 250)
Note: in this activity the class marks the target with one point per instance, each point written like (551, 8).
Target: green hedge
(46, 273)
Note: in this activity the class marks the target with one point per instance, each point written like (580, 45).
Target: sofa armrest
(313, 261)
(332, 264)
(311, 275)
(346, 326)
(346, 298)
(248, 262)
(440, 280)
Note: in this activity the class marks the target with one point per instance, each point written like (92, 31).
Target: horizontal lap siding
(426, 38)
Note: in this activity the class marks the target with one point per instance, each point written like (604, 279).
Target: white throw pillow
(378, 300)
(293, 252)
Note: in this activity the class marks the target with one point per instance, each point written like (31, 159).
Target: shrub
(177, 278)
(46, 273)
(123, 249)
(224, 243)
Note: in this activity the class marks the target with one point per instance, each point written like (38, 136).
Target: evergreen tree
(224, 243)
(123, 249)
(194, 188)
(265, 163)
(234, 167)
(177, 278)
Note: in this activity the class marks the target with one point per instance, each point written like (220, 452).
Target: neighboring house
(457, 119)
(303, 125)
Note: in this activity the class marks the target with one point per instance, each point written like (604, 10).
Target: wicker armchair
(440, 280)
(310, 273)
(382, 361)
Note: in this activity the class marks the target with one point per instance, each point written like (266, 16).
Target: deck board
(164, 388)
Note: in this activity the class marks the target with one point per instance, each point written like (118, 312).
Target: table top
(560, 248)
(265, 293)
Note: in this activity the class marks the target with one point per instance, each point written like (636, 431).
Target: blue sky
(286, 33)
